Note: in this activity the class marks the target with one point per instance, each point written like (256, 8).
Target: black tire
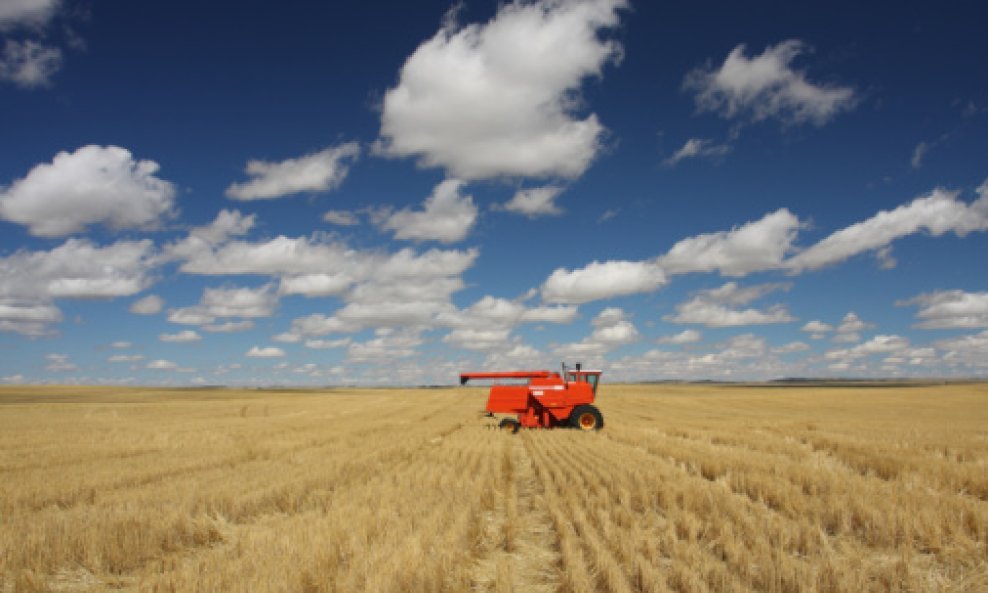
(586, 418)
(509, 424)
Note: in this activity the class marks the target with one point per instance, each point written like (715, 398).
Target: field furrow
(521, 547)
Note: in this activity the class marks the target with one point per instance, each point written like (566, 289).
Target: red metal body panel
(547, 400)
(508, 399)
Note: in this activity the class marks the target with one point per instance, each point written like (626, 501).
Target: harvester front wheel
(586, 418)
(509, 424)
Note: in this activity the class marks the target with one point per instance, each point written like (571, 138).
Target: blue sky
(391, 193)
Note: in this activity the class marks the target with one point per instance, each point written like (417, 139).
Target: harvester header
(549, 398)
(464, 377)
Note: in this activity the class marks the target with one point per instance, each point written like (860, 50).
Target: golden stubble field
(687, 488)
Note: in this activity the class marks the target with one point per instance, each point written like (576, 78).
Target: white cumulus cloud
(125, 358)
(149, 305)
(317, 172)
(612, 327)
(326, 344)
(386, 346)
(937, 213)
(341, 218)
(753, 247)
(216, 303)
(313, 285)
(280, 256)
(602, 280)
(769, 244)
(487, 324)
(26, 12)
(27, 318)
(181, 337)
(817, 327)
(966, 351)
(850, 328)
(697, 148)
(226, 225)
(77, 269)
(720, 307)
(404, 289)
(742, 356)
(268, 352)
(501, 99)
(791, 347)
(611, 330)
(515, 355)
(919, 153)
(949, 309)
(229, 326)
(162, 365)
(881, 344)
(446, 216)
(93, 185)
(240, 301)
(29, 64)
(851, 323)
(190, 316)
(710, 314)
(534, 202)
(687, 336)
(549, 314)
(767, 86)
(478, 339)
(59, 363)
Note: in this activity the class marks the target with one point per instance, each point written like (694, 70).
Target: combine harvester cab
(548, 400)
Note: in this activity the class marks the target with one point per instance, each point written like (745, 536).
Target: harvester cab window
(592, 380)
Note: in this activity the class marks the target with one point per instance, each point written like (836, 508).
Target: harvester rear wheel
(586, 418)
(509, 424)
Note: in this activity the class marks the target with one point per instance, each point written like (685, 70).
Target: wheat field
(687, 488)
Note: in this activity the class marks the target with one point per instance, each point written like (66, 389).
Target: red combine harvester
(549, 398)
